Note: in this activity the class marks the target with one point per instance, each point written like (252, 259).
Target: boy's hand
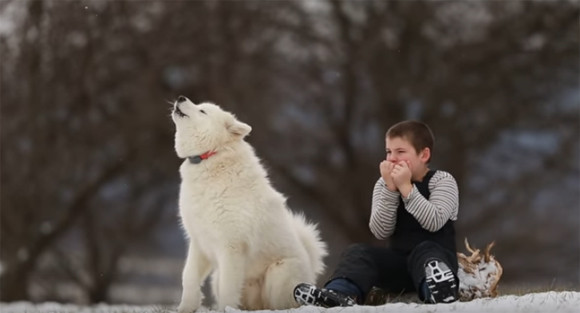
(401, 174)
(386, 168)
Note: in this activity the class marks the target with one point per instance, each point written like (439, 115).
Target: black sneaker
(441, 282)
(306, 294)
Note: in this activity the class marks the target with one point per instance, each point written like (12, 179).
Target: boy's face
(400, 149)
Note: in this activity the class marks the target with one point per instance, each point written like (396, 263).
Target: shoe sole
(441, 282)
(306, 294)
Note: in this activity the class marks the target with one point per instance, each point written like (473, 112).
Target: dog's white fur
(238, 225)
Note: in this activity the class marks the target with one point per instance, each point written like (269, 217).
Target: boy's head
(417, 134)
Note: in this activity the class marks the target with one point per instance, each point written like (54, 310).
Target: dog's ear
(238, 128)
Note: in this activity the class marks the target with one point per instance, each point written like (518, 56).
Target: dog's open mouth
(179, 112)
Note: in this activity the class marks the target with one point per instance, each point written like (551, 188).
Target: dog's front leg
(231, 269)
(196, 269)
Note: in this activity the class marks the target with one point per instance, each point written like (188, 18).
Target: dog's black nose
(181, 99)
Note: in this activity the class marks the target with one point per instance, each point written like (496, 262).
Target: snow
(562, 302)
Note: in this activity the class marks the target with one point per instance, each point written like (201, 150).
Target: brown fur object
(479, 274)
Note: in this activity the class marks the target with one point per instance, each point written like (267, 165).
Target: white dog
(238, 225)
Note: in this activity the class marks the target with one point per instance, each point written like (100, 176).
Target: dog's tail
(310, 238)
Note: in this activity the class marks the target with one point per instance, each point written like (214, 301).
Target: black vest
(409, 233)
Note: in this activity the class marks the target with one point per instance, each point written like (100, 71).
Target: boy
(415, 208)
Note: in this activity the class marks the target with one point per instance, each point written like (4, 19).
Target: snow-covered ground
(561, 302)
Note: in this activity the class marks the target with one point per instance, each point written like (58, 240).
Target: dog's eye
(202, 111)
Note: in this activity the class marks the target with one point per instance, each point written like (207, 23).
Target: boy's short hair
(417, 133)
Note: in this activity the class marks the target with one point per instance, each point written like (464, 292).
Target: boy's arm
(383, 210)
(442, 205)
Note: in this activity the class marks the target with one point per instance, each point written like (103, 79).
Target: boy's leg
(434, 272)
(360, 268)
(368, 266)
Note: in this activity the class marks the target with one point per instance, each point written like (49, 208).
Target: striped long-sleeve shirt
(431, 214)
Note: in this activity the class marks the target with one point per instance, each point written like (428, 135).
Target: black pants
(392, 270)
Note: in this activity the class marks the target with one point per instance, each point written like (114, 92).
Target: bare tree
(87, 152)
(61, 144)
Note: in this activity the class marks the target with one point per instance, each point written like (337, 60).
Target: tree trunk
(14, 283)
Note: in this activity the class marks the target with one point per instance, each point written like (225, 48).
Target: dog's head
(204, 127)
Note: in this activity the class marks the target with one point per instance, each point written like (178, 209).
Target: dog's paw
(188, 306)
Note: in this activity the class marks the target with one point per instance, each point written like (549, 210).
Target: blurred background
(89, 177)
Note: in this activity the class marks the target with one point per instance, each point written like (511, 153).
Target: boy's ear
(238, 128)
(425, 155)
